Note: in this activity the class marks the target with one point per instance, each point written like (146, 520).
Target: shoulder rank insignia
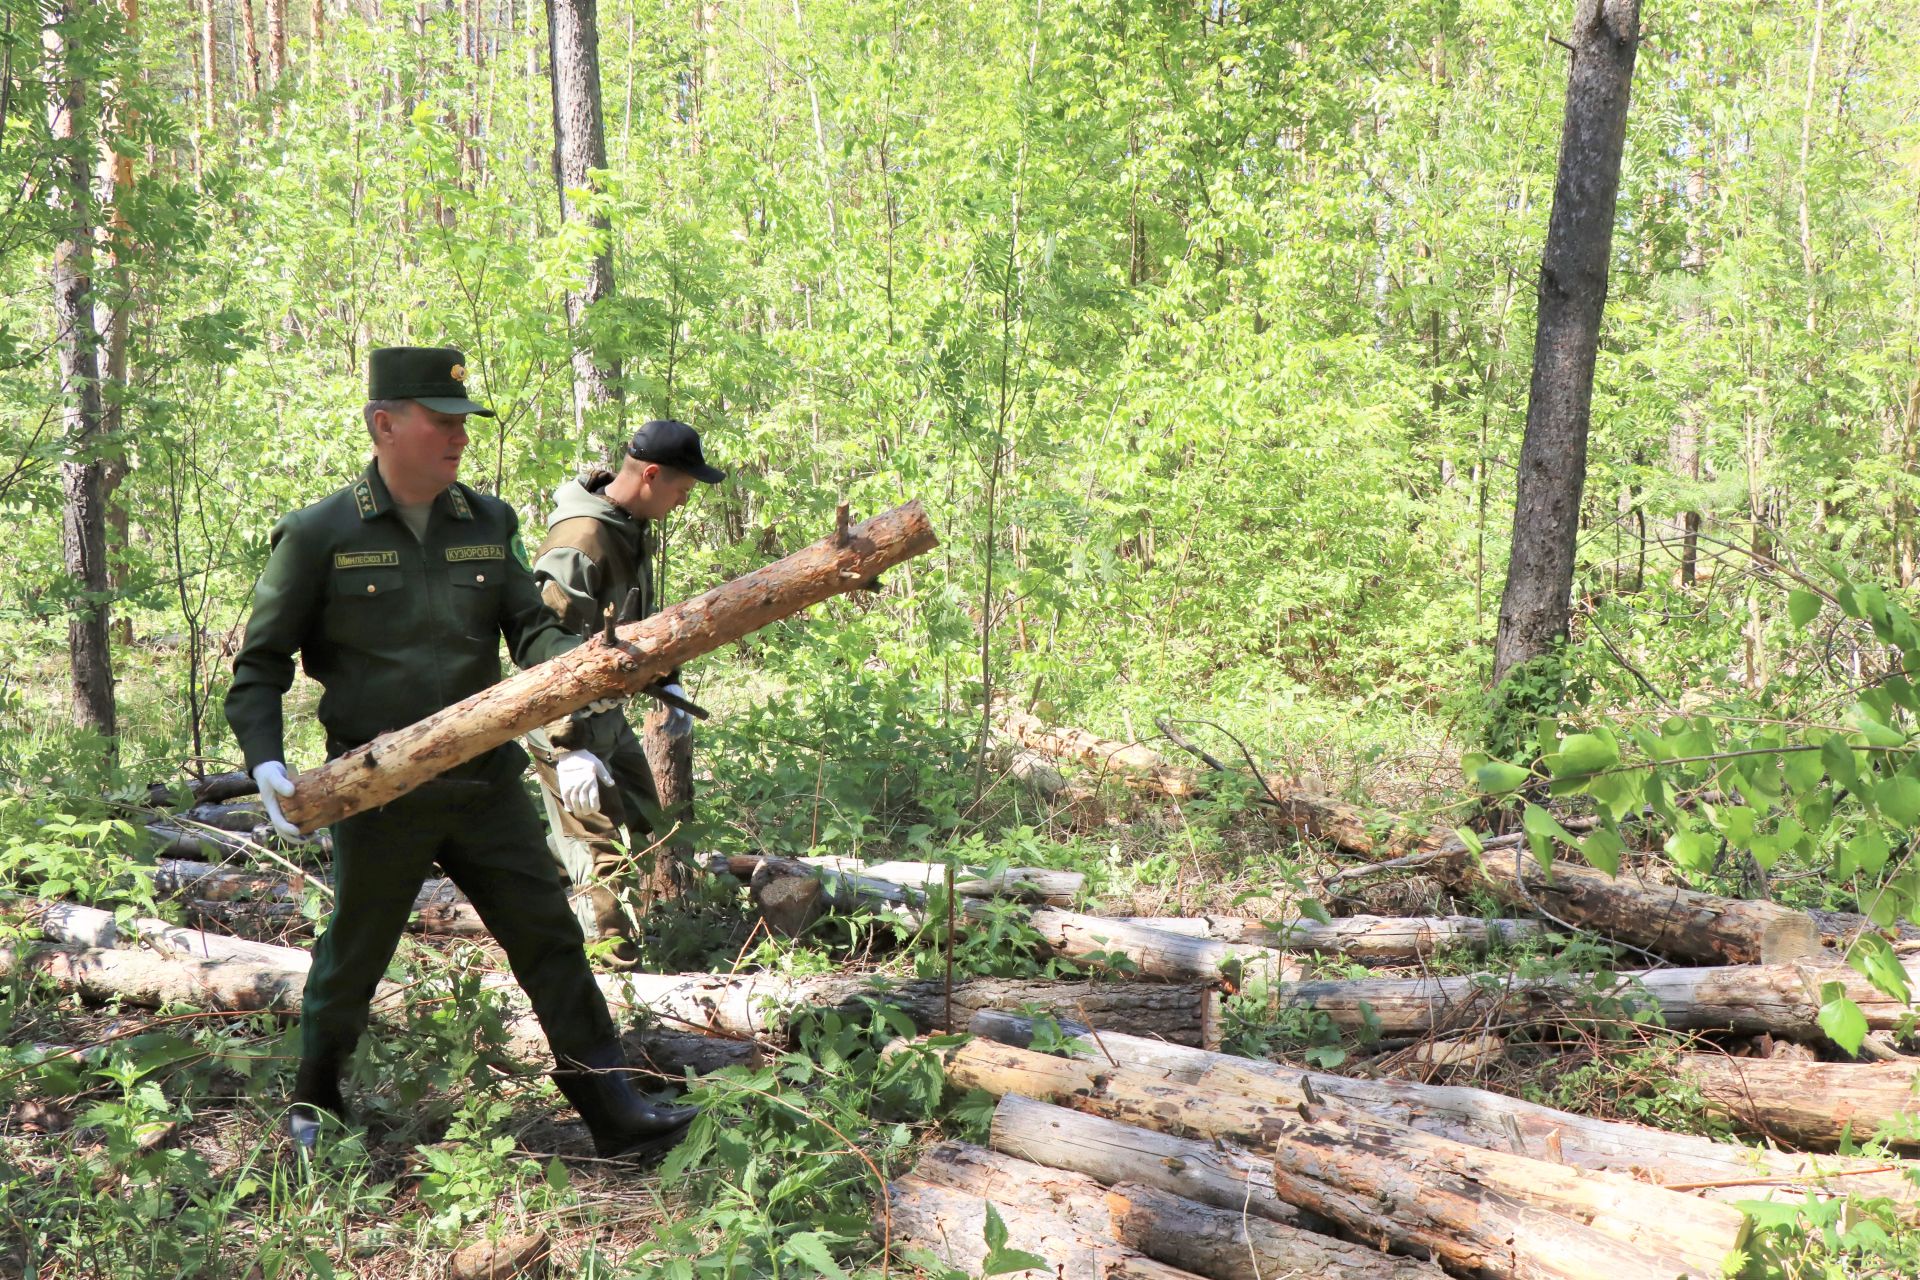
(365, 559)
(487, 551)
(363, 498)
(458, 501)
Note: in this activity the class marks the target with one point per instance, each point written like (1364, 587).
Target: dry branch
(397, 762)
(1312, 816)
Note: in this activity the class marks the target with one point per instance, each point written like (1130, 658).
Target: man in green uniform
(396, 591)
(592, 770)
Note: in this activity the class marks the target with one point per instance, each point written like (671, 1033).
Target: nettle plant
(1840, 798)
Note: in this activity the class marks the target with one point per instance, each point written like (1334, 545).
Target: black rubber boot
(316, 1088)
(624, 1125)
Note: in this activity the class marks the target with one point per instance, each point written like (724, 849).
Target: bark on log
(92, 927)
(1211, 1173)
(1722, 1170)
(1680, 923)
(757, 1005)
(397, 762)
(242, 818)
(1478, 1210)
(951, 1225)
(1153, 953)
(238, 985)
(1312, 816)
(1222, 1244)
(1379, 939)
(439, 907)
(1812, 1104)
(1782, 1000)
(1028, 884)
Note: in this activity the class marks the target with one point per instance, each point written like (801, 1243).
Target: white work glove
(599, 705)
(271, 777)
(679, 723)
(581, 775)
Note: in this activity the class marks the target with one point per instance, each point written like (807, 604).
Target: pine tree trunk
(579, 147)
(670, 757)
(84, 525)
(276, 39)
(249, 27)
(209, 65)
(1534, 609)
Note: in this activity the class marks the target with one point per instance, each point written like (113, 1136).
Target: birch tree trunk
(1534, 608)
(84, 526)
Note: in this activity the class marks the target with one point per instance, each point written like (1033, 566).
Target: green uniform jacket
(393, 630)
(594, 554)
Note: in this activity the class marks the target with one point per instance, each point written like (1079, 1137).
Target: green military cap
(435, 376)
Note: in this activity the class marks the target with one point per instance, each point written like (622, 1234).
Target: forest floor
(148, 1142)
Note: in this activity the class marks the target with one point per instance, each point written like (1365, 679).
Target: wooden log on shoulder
(1669, 920)
(1481, 1118)
(1478, 1210)
(1812, 1104)
(951, 1225)
(1222, 1244)
(395, 763)
(1379, 939)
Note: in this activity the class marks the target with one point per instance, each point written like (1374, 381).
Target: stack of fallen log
(1164, 1160)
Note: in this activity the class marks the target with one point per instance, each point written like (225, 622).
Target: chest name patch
(484, 551)
(365, 559)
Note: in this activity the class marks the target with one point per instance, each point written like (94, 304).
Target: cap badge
(458, 373)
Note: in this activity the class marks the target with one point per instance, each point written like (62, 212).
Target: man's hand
(580, 776)
(599, 705)
(679, 722)
(275, 786)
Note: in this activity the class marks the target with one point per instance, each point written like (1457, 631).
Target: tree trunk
(952, 1226)
(1482, 1211)
(1222, 1244)
(84, 525)
(1229, 1177)
(276, 39)
(1480, 1118)
(248, 28)
(580, 147)
(757, 1004)
(1029, 884)
(670, 759)
(1375, 939)
(397, 762)
(1782, 1000)
(316, 27)
(1680, 923)
(1811, 1104)
(112, 317)
(1573, 292)
(1132, 947)
(209, 66)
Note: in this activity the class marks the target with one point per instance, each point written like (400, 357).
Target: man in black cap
(593, 772)
(396, 591)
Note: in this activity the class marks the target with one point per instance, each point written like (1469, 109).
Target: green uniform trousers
(485, 836)
(589, 850)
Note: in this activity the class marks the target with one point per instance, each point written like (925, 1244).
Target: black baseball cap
(435, 376)
(672, 443)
